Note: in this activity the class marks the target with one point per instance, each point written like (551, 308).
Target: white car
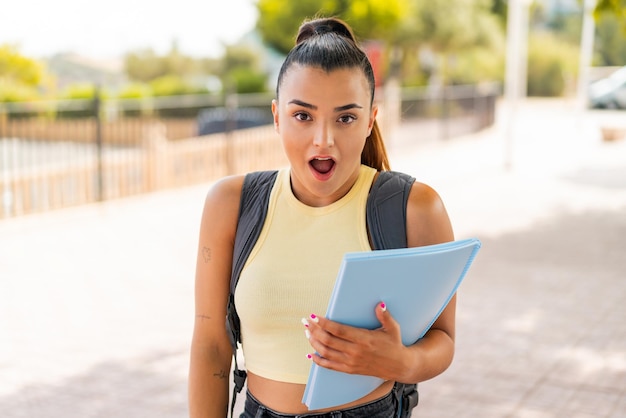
(609, 92)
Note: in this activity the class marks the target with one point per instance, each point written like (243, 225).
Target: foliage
(135, 91)
(173, 85)
(21, 78)
(376, 19)
(146, 65)
(18, 68)
(457, 32)
(614, 7)
(248, 81)
(567, 27)
(241, 71)
(476, 65)
(80, 91)
(552, 65)
(451, 25)
(610, 44)
(371, 19)
(500, 9)
(16, 92)
(610, 36)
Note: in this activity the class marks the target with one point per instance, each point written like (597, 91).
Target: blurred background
(115, 119)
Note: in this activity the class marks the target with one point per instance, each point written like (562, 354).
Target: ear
(275, 113)
(373, 115)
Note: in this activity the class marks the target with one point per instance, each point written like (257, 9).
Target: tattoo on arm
(206, 254)
(221, 374)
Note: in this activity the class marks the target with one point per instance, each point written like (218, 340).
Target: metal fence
(451, 111)
(56, 154)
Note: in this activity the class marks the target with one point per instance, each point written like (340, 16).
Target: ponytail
(374, 153)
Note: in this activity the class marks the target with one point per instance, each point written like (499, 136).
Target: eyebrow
(313, 107)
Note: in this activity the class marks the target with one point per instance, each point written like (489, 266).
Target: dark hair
(330, 44)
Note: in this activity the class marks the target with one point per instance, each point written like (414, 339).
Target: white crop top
(291, 272)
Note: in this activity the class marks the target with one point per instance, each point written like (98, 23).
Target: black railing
(62, 153)
(452, 110)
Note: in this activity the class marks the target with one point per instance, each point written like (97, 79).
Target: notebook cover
(415, 283)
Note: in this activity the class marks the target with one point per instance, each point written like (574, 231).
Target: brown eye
(347, 119)
(302, 116)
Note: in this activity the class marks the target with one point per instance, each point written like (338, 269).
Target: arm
(381, 352)
(428, 223)
(211, 352)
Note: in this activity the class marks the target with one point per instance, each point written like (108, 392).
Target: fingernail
(383, 307)
(309, 356)
(315, 318)
(307, 334)
(305, 322)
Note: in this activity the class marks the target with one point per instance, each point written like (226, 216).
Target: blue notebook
(415, 283)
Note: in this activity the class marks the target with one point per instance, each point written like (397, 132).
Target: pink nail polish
(309, 356)
(314, 318)
(305, 322)
(383, 307)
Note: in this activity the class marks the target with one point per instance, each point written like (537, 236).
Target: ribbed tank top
(290, 274)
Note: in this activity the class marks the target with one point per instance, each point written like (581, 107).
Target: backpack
(386, 220)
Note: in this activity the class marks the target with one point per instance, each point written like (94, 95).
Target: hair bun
(321, 26)
(322, 29)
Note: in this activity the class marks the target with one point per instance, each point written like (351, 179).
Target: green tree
(241, 72)
(458, 32)
(614, 7)
(371, 19)
(552, 64)
(451, 25)
(610, 43)
(500, 8)
(146, 65)
(21, 78)
(610, 36)
(173, 85)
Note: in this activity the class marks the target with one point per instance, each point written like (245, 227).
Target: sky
(109, 29)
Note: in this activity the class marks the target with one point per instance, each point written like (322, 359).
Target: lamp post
(586, 53)
(516, 68)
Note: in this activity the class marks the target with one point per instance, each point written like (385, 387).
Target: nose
(324, 137)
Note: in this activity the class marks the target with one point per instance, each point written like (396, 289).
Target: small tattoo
(221, 374)
(199, 316)
(206, 254)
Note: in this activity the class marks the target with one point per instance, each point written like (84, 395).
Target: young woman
(325, 115)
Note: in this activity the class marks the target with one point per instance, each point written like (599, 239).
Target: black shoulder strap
(386, 220)
(386, 209)
(255, 196)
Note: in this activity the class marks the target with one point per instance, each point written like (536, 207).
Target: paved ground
(96, 301)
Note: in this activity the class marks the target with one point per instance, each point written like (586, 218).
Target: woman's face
(323, 119)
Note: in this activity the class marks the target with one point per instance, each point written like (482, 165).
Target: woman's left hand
(347, 349)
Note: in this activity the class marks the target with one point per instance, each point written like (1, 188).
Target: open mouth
(322, 165)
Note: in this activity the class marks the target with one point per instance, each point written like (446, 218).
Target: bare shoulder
(226, 191)
(221, 205)
(427, 217)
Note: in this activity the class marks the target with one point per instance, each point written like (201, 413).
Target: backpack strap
(386, 209)
(255, 196)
